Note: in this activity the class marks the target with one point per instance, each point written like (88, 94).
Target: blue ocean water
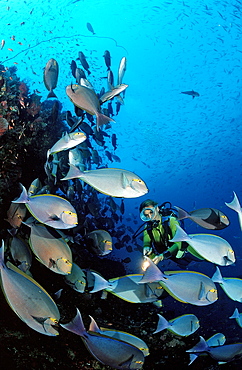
(187, 150)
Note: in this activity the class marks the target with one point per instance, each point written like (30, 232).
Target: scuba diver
(161, 223)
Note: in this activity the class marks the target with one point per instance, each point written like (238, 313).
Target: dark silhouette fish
(90, 28)
(107, 58)
(192, 93)
(83, 61)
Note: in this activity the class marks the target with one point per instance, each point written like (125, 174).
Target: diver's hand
(147, 251)
(158, 258)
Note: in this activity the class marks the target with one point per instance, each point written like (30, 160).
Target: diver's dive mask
(149, 213)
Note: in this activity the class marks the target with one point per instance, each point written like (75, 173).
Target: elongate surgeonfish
(215, 340)
(121, 69)
(28, 299)
(86, 99)
(120, 335)
(211, 247)
(209, 218)
(128, 288)
(51, 72)
(223, 354)
(183, 325)
(111, 181)
(49, 209)
(185, 286)
(50, 249)
(116, 90)
(100, 242)
(67, 141)
(235, 205)
(232, 286)
(109, 351)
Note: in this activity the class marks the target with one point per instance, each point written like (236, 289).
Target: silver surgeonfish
(67, 141)
(217, 339)
(232, 286)
(20, 253)
(86, 99)
(128, 288)
(111, 181)
(49, 209)
(183, 325)
(51, 72)
(100, 242)
(50, 249)
(235, 205)
(185, 286)
(223, 354)
(209, 218)
(109, 351)
(211, 247)
(31, 303)
(120, 335)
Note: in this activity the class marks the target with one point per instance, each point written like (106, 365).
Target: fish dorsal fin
(93, 325)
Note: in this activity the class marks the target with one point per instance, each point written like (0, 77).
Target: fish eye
(138, 180)
(212, 290)
(79, 281)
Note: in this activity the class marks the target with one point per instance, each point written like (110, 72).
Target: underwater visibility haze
(104, 104)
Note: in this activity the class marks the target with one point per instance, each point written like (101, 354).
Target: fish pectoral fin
(54, 217)
(124, 181)
(201, 293)
(52, 263)
(126, 362)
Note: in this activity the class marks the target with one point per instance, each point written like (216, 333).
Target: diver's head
(149, 210)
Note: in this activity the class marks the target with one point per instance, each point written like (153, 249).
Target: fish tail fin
(235, 314)
(102, 119)
(201, 346)
(182, 213)
(162, 324)
(51, 95)
(217, 277)
(192, 358)
(73, 173)
(99, 283)
(152, 273)
(75, 325)
(235, 204)
(180, 235)
(23, 198)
